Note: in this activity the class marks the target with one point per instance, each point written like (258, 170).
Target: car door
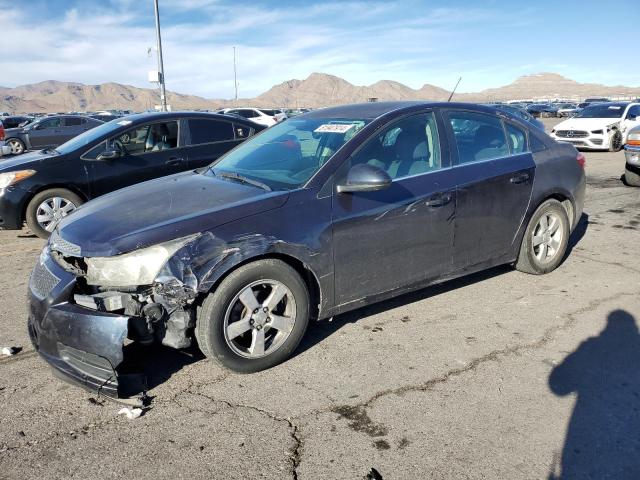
(495, 171)
(44, 133)
(387, 239)
(148, 151)
(208, 139)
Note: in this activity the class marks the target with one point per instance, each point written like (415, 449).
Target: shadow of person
(603, 436)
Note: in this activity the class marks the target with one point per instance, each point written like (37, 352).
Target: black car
(43, 187)
(542, 110)
(519, 112)
(323, 213)
(16, 121)
(48, 132)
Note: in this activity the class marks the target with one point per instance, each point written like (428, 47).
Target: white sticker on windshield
(124, 122)
(334, 128)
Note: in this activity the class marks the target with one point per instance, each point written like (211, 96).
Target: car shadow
(604, 374)
(578, 234)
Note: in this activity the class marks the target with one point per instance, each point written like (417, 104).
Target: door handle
(519, 178)
(174, 161)
(439, 199)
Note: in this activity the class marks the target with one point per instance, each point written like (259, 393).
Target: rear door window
(478, 136)
(72, 121)
(517, 138)
(209, 131)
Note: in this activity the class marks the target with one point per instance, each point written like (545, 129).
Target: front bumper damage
(83, 342)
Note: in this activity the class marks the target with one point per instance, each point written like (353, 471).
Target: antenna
(454, 89)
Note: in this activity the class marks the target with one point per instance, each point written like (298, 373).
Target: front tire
(615, 142)
(47, 208)
(17, 146)
(255, 318)
(545, 240)
(631, 178)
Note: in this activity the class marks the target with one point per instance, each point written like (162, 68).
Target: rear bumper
(632, 155)
(83, 346)
(4, 148)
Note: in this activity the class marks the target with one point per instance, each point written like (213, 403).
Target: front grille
(596, 141)
(42, 281)
(572, 133)
(63, 246)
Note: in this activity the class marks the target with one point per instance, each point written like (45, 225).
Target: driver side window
(148, 138)
(406, 148)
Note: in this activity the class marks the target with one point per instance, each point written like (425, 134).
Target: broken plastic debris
(131, 413)
(10, 351)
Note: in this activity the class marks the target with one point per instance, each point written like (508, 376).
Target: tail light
(581, 160)
(1, 131)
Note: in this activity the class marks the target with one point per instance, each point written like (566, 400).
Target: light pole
(235, 77)
(163, 97)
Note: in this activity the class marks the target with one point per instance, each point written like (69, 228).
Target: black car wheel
(17, 146)
(47, 208)
(615, 143)
(545, 240)
(631, 178)
(255, 318)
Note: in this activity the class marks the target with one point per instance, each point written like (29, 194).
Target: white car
(601, 126)
(258, 115)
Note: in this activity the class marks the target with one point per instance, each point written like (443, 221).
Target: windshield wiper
(243, 179)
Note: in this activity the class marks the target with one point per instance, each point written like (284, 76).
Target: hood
(587, 124)
(161, 210)
(24, 161)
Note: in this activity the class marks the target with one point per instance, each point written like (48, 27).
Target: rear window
(72, 121)
(209, 131)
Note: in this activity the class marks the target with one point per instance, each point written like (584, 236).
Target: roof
(373, 110)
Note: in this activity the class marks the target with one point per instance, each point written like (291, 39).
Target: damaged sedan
(324, 213)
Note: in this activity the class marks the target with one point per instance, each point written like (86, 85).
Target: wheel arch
(304, 270)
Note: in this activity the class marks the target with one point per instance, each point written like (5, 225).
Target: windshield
(601, 110)
(288, 154)
(90, 135)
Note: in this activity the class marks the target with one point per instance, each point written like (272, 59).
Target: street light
(163, 97)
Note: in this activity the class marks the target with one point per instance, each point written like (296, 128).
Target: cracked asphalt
(497, 375)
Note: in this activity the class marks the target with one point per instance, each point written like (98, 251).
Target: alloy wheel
(547, 237)
(259, 319)
(16, 147)
(52, 210)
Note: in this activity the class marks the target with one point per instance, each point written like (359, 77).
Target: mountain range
(317, 90)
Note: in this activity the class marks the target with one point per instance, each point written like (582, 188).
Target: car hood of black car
(25, 161)
(162, 210)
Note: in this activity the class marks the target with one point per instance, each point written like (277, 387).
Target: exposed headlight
(139, 267)
(11, 178)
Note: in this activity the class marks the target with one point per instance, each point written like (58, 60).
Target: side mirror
(364, 178)
(109, 154)
(632, 117)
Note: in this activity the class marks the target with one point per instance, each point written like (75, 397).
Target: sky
(415, 42)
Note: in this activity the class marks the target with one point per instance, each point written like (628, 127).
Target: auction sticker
(334, 128)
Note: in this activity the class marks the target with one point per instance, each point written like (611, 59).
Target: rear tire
(60, 201)
(17, 146)
(227, 305)
(615, 142)
(630, 178)
(545, 240)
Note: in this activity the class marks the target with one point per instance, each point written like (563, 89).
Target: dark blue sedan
(324, 213)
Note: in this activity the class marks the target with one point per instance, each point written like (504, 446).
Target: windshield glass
(601, 111)
(288, 154)
(90, 135)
